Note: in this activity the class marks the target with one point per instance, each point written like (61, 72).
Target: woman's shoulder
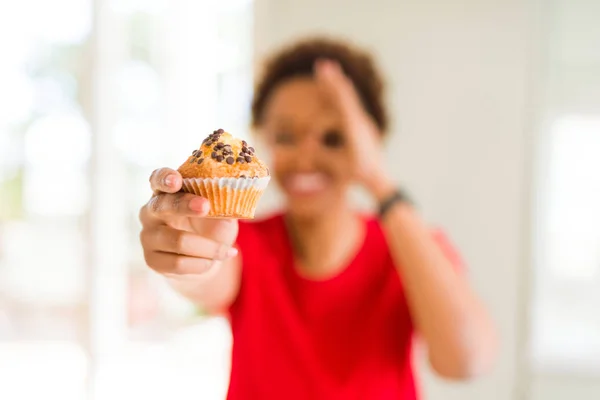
(438, 234)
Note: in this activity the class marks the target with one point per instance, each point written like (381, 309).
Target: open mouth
(306, 184)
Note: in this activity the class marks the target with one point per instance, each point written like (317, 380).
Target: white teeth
(307, 183)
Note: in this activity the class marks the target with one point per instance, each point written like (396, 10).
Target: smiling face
(310, 160)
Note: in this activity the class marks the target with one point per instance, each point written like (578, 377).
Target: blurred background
(496, 132)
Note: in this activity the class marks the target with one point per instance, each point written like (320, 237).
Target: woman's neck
(324, 245)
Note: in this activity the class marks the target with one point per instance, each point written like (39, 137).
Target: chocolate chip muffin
(226, 171)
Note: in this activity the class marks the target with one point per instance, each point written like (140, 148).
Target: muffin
(226, 171)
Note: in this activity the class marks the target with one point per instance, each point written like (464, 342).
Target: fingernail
(169, 180)
(232, 252)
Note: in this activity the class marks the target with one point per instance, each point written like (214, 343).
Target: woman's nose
(308, 153)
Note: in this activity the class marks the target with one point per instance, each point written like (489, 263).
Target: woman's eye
(284, 138)
(333, 139)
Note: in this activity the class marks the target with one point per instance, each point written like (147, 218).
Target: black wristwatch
(398, 196)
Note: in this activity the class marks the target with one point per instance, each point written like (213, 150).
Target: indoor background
(496, 132)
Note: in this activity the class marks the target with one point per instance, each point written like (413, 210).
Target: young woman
(323, 301)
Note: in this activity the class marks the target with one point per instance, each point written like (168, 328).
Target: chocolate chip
(213, 154)
(251, 149)
(200, 160)
(243, 176)
(244, 143)
(227, 152)
(248, 158)
(229, 160)
(220, 130)
(241, 153)
(194, 152)
(208, 143)
(240, 159)
(219, 145)
(220, 158)
(192, 160)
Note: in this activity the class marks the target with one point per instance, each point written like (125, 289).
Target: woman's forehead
(298, 101)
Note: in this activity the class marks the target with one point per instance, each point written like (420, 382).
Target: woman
(323, 302)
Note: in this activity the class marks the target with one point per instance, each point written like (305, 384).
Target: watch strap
(398, 196)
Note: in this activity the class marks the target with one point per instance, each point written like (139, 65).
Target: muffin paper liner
(228, 197)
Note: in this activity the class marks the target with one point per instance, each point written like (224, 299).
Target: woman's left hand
(361, 133)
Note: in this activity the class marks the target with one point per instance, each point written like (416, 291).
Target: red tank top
(347, 337)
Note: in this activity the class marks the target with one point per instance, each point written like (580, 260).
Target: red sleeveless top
(346, 337)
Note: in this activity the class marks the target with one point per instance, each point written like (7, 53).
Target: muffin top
(223, 156)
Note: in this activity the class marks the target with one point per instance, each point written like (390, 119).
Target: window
(83, 124)
(566, 321)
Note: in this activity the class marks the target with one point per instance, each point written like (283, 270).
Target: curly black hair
(298, 60)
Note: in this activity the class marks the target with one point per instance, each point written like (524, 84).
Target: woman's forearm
(213, 291)
(448, 315)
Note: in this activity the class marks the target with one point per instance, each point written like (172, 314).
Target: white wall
(459, 73)
(561, 387)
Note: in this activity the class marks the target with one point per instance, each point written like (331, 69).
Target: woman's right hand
(176, 237)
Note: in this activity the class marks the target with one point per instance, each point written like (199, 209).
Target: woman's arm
(447, 313)
(213, 291)
(455, 325)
